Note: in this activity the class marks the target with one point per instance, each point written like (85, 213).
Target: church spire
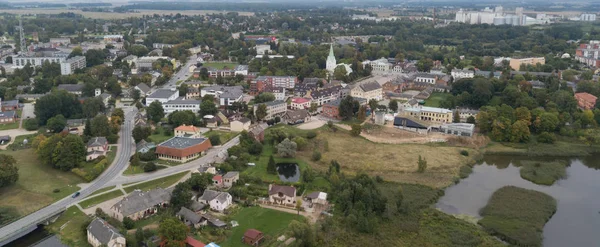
(331, 50)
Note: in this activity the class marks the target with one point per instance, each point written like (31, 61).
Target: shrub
(356, 129)
(167, 131)
(55, 190)
(300, 142)
(215, 140)
(378, 179)
(311, 134)
(150, 167)
(546, 137)
(31, 124)
(422, 165)
(464, 152)
(316, 155)
(128, 223)
(112, 139)
(148, 156)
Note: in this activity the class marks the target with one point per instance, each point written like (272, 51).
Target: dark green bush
(464, 152)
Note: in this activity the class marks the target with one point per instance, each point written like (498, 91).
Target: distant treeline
(37, 5)
(252, 7)
(80, 5)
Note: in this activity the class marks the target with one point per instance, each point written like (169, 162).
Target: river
(577, 219)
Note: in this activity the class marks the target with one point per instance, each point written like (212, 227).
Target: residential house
(162, 95)
(274, 109)
(143, 146)
(458, 74)
(181, 104)
(295, 117)
(425, 78)
(138, 204)
(194, 84)
(465, 113)
(96, 147)
(192, 93)
(141, 119)
(317, 198)
(230, 178)
(182, 149)
(282, 194)
(76, 89)
(217, 180)
(324, 95)
(211, 122)
(240, 125)
(258, 132)
(189, 131)
(218, 201)
(100, 233)
(253, 237)
(206, 169)
(224, 94)
(8, 117)
(189, 217)
(369, 91)
(586, 101)
(30, 97)
(10, 105)
(300, 103)
(143, 88)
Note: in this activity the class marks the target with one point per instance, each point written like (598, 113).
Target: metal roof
(182, 142)
(163, 93)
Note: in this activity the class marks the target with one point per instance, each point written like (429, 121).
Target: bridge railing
(28, 225)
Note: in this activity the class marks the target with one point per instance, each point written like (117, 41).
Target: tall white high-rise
(331, 63)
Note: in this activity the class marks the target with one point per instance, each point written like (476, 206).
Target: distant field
(104, 15)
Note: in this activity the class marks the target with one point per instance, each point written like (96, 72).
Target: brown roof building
(586, 101)
(253, 237)
(182, 149)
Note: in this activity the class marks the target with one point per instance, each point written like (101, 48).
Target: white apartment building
(181, 104)
(21, 60)
(226, 95)
(70, 65)
(462, 73)
(274, 109)
(379, 65)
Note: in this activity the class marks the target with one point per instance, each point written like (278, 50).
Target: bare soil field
(105, 15)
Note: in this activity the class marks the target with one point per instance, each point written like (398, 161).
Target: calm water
(288, 172)
(28, 240)
(577, 219)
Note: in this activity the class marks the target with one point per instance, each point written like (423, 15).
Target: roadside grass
(436, 99)
(153, 184)
(220, 65)
(70, 226)
(102, 190)
(518, 215)
(88, 167)
(544, 173)
(271, 222)
(132, 170)
(260, 169)
(393, 162)
(224, 136)
(101, 198)
(37, 184)
(160, 137)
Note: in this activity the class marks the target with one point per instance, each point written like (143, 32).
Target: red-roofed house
(300, 103)
(187, 131)
(586, 101)
(192, 242)
(252, 237)
(218, 180)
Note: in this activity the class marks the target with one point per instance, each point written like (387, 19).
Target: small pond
(288, 172)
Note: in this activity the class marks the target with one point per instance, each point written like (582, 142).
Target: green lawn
(37, 183)
(69, 226)
(131, 170)
(161, 182)
(272, 223)
(260, 170)
(436, 99)
(102, 190)
(101, 198)
(18, 142)
(160, 137)
(9, 126)
(220, 65)
(224, 136)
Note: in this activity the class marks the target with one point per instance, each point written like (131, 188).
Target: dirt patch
(390, 135)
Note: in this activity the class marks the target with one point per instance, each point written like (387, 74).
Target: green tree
(87, 129)
(346, 108)
(100, 126)
(261, 112)
(393, 105)
(9, 173)
(199, 182)
(399, 199)
(141, 133)
(304, 234)
(287, 148)
(264, 97)
(58, 102)
(208, 107)
(181, 196)
(271, 168)
(155, 111)
(57, 124)
(215, 140)
(339, 73)
(356, 129)
(301, 143)
(95, 57)
(587, 119)
(456, 117)
(77, 51)
(173, 232)
(373, 104)
(313, 107)
(520, 131)
(179, 118)
(471, 120)
(135, 160)
(118, 112)
(92, 106)
(522, 113)
(546, 122)
(421, 164)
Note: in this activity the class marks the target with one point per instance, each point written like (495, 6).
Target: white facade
(21, 61)
(330, 63)
(263, 49)
(379, 65)
(70, 65)
(462, 73)
(274, 108)
(181, 105)
(162, 96)
(587, 17)
(430, 80)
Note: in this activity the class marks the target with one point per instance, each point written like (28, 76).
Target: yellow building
(515, 63)
(429, 114)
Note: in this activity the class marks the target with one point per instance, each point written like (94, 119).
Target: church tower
(330, 65)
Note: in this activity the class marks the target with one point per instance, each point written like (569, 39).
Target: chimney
(270, 185)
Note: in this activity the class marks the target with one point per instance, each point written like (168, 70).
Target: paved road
(182, 74)
(27, 113)
(123, 154)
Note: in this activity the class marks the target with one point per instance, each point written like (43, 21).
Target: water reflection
(577, 219)
(288, 172)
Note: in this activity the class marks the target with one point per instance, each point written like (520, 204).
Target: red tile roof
(187, 128)
(217, 178)
(193, 242)
(586, 96)
(300, 100)
(252, 233)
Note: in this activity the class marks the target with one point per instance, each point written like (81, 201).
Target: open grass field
(518, 215)
(153, 184)
(224, 136)
(160, 137)
(220, 65)
(393, 162)
(544, 173)
(70, 227)
(558, 149)
(271, 222)
(37, 183)
(436, 99)
(260, 170)
(109, 16)
(132, 170)
(101, 198)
